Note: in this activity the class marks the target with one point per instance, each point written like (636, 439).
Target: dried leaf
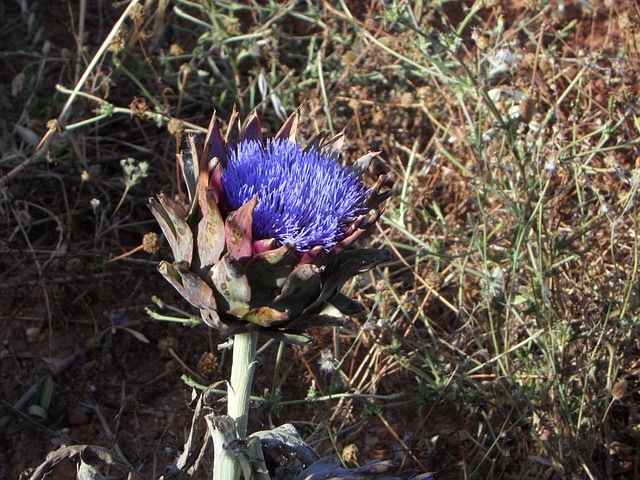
(88, 472)
(138, 335)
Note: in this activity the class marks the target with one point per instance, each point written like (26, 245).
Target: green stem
(244, 357)
(242, 368)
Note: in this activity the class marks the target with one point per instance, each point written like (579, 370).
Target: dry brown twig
(56, 126)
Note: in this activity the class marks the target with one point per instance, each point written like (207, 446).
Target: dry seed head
(32, 334)
(91, 369)
(389, 41)
(137, 13)
(529, 59)
(434, 279)
(24, 217)
(138, 107)
(350, 453)
(146, 35)
(17, 84)
(175, 127)
(92, 343)
(171, 366)
(74, 265)
(482, 42)
(175, 50)
(118, 43)
(550, 165)
(54, 125)
(425, 92)
(545, 62)
(624, 22)
(610, 161)
(527, 108)
(230, 25)
(208, 363)
(619, 389)
(151, 242)
(406, 99)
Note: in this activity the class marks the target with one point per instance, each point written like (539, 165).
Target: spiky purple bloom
(267, 239)
(304, 198)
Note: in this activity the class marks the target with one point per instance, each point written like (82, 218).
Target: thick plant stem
(244, 357)
(227, 467)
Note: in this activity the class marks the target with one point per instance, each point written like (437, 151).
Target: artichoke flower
(265, 241)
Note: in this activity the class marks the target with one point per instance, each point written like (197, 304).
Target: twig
(29, 394)
(56, 126)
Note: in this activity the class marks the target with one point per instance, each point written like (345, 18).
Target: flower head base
(265, 240)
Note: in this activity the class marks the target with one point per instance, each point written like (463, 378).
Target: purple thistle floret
(304, 198)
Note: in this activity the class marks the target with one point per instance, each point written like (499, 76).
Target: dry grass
(502, 341)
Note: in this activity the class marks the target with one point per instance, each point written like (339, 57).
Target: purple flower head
(304, 198)
(267, 239)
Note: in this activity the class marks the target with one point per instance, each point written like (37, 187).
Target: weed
(502, 340)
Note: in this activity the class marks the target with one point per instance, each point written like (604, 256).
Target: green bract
(241, 283)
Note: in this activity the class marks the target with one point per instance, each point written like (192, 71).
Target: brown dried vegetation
(502, 341)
